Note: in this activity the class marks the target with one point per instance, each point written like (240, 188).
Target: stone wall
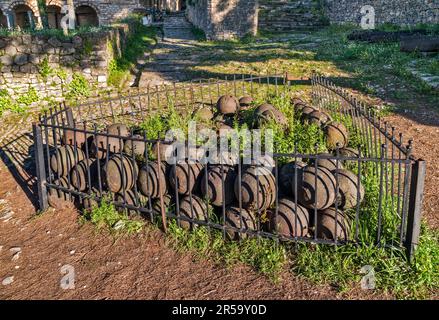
(198, 13)
(25, 59)
(107, 10)
(284, 15)
(224, 19)
(400, 12)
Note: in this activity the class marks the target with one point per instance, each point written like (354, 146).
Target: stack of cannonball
(322, 189)
(308, 197)
(337, 135)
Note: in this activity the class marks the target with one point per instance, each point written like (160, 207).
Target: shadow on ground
(17, 154)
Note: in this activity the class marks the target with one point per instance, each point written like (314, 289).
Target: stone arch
(53, 16)
(25, 14)
(58, 3)
(31, 4)
(87, 14)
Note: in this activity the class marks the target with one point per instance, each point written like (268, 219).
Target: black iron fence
(366, 190)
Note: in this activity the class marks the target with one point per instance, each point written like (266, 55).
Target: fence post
(69, 115)
(415, 207)
(43, 203)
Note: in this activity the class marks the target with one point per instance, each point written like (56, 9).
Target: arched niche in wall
(86, 16)
(23, 16)
(54, 16)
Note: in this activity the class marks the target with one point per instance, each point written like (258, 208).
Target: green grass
(374, 69)
(17, 103)
(140, 41)
(78, 88)
(264, 255)
(198, 33)
(58, 33)
(105, 216)
(341, 267)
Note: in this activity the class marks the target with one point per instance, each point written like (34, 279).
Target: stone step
(289, 14)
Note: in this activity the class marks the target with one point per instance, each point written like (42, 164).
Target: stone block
(11, 50)
(54, 42)
(21, 59)
(26, 68)
(34, 58)
(6, 60)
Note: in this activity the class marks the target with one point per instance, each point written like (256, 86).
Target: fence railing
(293, 199)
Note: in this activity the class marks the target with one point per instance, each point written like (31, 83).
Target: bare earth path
(34, 249)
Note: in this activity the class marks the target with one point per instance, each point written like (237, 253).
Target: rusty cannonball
(204, 114)
(336, 134)
(330, 164)
(317, 189)
(262, 108)
(305, 111)
(118, 129)
(291, 220)
(166, 151)
(227, 104)
(64, 159)
(134, 147)
(212, 186)
(149, 178)
(245, 102)
(70, 136)
(296, 100)
(60, 199)
(120, 173)
(239, 219)
(351, 191)
(193, 208)
(102, 145)
(287, 176)
(185, 177)
(80, 174)
(318, 118)
(257, 189)
(328, 221)
(272, 115)
(348, 152)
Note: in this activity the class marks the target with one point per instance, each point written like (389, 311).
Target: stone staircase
(172, 57)
(176, 27)
(285, 15)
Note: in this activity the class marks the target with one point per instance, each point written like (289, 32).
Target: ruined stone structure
(48, 64)
(399, 12)
(25, 13)
(224, 19)
(285, 15)
(221, 19)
